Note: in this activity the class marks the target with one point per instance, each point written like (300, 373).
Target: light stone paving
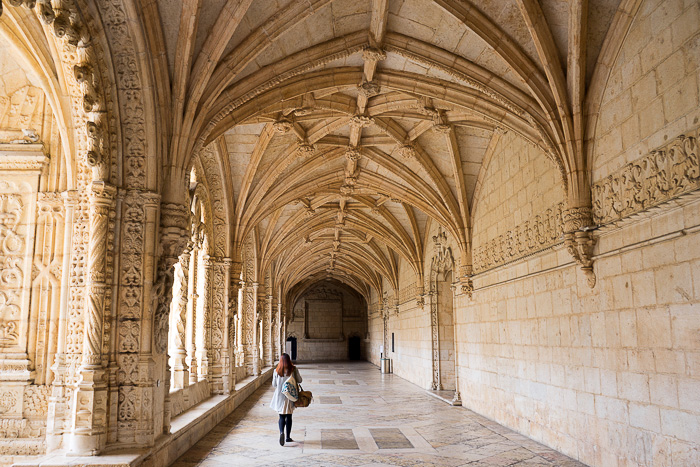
(386, 421)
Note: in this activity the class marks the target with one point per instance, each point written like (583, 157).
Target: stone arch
(442, 270)
(78, 209)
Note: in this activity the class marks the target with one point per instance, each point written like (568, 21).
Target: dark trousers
(286, 420)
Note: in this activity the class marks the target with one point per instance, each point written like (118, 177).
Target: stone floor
(360, 417)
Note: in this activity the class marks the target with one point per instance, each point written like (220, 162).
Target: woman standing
(280, 402)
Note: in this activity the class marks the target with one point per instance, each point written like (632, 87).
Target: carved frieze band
(536, 234)
(663, 174)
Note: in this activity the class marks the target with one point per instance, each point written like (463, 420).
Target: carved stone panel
(663, 174)
(536, 234)
(19, 181)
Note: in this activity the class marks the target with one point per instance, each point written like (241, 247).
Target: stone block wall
(517, 183)
(608, 375)
(652, 92)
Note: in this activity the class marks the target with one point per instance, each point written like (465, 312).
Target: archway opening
(329, 316)
(446, 331)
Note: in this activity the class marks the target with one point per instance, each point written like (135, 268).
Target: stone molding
(665, 173)
(24, 157)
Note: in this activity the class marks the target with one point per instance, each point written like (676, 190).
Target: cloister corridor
(496, 200)
(362, 418)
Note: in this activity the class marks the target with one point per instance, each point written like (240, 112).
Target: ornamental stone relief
(12, 245)
(663, 174)
(540, 232)
(208, 157)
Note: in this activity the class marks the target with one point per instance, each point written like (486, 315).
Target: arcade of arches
(500, 195)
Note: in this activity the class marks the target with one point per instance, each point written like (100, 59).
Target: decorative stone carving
(663, 174)
(577, 218)
(580, 246)
(101, 197)
(306, 202)
(65, 21)
(12, 245)
(210, 161)
(305, 150)
(373, 54)
(353, 154)
(282, 126)
(536, 234)
(179, 309)
(407, 151)
(361, 121)
(442, 262)
(369, 89)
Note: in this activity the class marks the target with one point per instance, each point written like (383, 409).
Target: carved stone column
(281, 333)
(203, 320)
(90, 403)
(240, 336)
(191, 316)
(457, 399)
(255, 335)
(139, 407)
(218, 348)
(267, 330)
(58, 401)
(181, 373)
(435, 340)
(249, 320)
(233, 322)
(173, 238)
(272, 328)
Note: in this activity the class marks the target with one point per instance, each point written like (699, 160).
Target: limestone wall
(517, 203)
(652, 93)
(609, 374)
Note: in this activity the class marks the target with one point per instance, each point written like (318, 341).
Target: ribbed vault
(350, 127)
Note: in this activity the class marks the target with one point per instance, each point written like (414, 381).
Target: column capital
(70, 198)
(102, 192)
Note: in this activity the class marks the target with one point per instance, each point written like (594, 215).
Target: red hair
(285, 367)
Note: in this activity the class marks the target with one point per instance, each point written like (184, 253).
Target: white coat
(279, 402)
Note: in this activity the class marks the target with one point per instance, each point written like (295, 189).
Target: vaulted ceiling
(350, 126)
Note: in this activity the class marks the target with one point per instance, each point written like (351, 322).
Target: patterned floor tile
(362, 418)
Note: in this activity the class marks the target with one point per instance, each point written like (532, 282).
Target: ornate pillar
(255, 347)
(234, 275)
(249, 322)
(173, 238)
(58, 407)
(181, 374)
(218, 350)
(385, 331)
(113, 366)
(90, 402)
(203, 320)
(435, 339)
(191, 315)
(272, 328)
(139, 417)
(240, 337)
(281, 333)
(456, 400)
(267, 330)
